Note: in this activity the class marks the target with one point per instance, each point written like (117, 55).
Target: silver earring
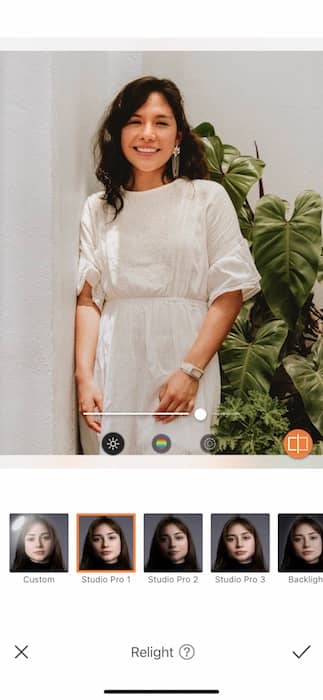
(175, 161)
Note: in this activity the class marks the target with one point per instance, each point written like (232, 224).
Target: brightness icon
(113, 443)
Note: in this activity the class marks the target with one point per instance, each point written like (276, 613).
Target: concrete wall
(50, 106)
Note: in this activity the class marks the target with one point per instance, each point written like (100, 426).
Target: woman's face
(38, 543)
(307, 543)
(149, 137)
(173, 543)
(106, 543)
(240, 543)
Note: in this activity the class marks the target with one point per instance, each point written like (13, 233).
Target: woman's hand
(90, 399)
(177, 394)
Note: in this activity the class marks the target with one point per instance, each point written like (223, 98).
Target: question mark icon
(186, 651)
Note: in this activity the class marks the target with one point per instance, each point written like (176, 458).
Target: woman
(163, 270)
(105, 547)
(304, 546)
(239, 547)
(38, 547)
(172, 547)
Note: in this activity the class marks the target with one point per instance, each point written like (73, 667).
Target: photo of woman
(163, 271)
(105, 546)
(303, 549)
(172, 548)
(37, 547)
(239, 546)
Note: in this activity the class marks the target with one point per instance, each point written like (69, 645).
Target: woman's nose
(148, 131)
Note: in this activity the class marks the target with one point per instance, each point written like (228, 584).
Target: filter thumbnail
(173, 543)
(240, 543)
(38, 542)
(106, 542)
(300, 542)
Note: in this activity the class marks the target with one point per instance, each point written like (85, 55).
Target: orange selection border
(108, 515)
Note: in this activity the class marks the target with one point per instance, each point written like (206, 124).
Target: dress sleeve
(89, 268)
(231, 265)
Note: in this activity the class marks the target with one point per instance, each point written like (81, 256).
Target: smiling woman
(163, 271)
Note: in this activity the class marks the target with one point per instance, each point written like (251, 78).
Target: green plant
(276, 343)
(254, 425)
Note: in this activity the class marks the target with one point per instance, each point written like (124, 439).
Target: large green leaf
(246, 219)
(287, 251)
(229, 152)
(235, 172)
(320, 270)
(214, 155)
(307, 376)
(204, 129)
(243, 172)
(248, 361)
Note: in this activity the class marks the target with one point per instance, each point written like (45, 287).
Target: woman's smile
(148, 140)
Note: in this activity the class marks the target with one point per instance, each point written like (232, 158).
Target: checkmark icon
(299, 656)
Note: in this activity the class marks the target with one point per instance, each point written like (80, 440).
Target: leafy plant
(276, 343)
(253, 425)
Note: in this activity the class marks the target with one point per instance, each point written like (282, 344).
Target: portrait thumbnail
(300, 542)
(106, 542)
(240, 542)
(173, 542)
(38, 542)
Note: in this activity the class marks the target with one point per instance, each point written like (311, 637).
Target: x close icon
(21, 652)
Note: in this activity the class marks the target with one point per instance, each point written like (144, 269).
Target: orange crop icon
(298, 443)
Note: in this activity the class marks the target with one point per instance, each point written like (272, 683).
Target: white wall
(50, 106)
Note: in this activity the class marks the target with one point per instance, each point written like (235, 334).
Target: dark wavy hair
(90, 560)
(22, 561)
(292, 562)
(223, 560)
(157, 561)
(112, 168)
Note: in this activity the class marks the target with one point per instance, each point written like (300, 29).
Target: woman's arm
(179, 391)
(86, 338)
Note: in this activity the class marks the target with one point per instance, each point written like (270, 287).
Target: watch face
(195, 373)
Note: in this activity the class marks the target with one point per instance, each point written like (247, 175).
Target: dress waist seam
(132, 300)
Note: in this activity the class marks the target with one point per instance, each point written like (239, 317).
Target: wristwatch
(192, 370)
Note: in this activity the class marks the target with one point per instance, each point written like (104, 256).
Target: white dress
(154, 271)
